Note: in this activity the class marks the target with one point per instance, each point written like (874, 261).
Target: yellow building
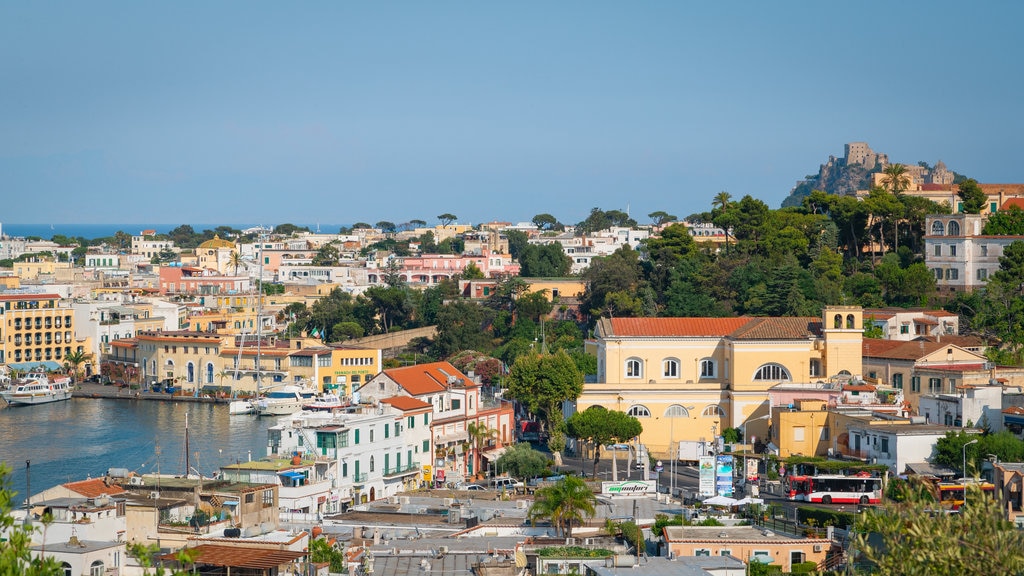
(687, 379)
(185, 359)
(35, 328)
(32, 270)
(336, 368)
(215, 254)
(802, 431)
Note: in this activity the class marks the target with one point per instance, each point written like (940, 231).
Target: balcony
(407, 470)
(360, 478)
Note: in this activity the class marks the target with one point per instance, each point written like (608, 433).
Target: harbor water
(84, 437)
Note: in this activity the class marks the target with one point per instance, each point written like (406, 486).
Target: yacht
(37, 388)
(284, 400)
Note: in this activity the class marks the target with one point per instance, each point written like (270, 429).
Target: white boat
(37, 388)
(284, 400)
(242, 407)
(326, 403)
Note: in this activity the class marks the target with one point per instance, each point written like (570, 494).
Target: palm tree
(565, 504)
(479, 434)
(721, 201)
(896, 179)
(74, 359)
(235, 259)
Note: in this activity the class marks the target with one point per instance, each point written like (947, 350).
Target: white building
(958, 254)
(908, 324)
(377, 449)
(970, 405)
(898, 444)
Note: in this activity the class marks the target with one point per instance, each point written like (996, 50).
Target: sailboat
(251, 406)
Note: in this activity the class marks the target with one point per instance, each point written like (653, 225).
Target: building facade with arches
(687, 379)
(958, 254)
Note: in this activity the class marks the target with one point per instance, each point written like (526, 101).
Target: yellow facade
(804, 431)
(556, 288)
(33, 270)
(688, 384)
(34, 328)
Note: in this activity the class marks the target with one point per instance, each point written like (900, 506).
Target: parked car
(472, 487)
(506, 483)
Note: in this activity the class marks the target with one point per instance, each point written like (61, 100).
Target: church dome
(216, 243)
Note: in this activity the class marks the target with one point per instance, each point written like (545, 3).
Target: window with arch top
(713, 411)
(676, 411)
(772, 371)
(639, 411)
(634, 368)
(670, 368)
(708, 368)
(954, 228)
(938, 229)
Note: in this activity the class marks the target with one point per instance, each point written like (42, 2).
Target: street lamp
(966, 444)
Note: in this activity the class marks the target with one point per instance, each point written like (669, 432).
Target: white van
(506, 483)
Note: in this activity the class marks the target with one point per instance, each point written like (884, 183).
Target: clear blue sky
(227, 112)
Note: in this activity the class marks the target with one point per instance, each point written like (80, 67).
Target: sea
(91, 231)
(50, 444)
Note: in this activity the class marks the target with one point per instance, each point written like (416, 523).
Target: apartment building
(36, 328)
(687, 379)
(957, 253)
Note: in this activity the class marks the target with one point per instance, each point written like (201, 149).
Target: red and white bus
(836, 489)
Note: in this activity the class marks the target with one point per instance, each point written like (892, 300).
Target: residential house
(457, 402)
(892, 443)
(968, 406)
(909, 324)
(748, 543)
(687, 379)
(192, 281)
(146, 244)
(1008, 478)
(957, 252)
(306, 484)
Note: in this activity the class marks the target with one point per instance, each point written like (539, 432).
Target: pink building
(189, 280)
(433, 268)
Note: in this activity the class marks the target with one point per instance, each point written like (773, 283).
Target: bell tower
(843, 330)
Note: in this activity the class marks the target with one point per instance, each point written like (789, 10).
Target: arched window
(954, 228)
(634, 368)
(639, 411)
(209, 372)
(676, 411)
(708, 368)
(190, 371)
(849, 321)
(713, 411)
(371, 463)
(938, 229)
(152, 366)
(838, 321)
(670, 368)
(772, 371)
(65, 569)
(96, 568)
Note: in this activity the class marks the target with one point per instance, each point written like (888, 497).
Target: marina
(85, 436)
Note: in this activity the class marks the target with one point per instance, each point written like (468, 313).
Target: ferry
(37, 388)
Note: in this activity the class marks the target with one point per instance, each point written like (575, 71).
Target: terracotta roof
(926, 321)
(859, 388)
(956, 340)
(1015, 410)
(898, 349)
(694, 327)
(1018, 202)
(6, 297)
(955, 367)
(406, 403)
(783, 328)
(426, 378)
(93, 487)
(239, 557)
(932, 187)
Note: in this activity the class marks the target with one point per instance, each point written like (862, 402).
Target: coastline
(111, 392)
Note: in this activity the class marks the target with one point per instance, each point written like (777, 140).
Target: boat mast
(186, 445)
(259, 316)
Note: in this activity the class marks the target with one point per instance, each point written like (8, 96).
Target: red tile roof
(898, 349)
(6, 297)
(240, 557)
(93, 487)
(426, 378)
(1018, 202)
(406, 403)
(695, 327)
(956, 340)
(784, 328)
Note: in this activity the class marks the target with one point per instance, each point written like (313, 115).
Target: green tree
(461, 325)
(544, 261)
(235, 260)
(73, 361)
(565, 504)
(908, 537)
(446, 219)
(517, 242)
(1005, 223)
(541, 382)
(895, 179)
(320, 550)
(618, 272)
(547, 222)
(479, 435)
(534, 305)
(523, 461)
(600, 427)
(972, 197)
(471, 272)
(385, 226)
(289, 229)
(1002, 312)
(660, 217)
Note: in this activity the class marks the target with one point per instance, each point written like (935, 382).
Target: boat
(37, 388)
(284, 400)
(242, 407)
(326, 403)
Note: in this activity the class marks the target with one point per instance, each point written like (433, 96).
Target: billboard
(629, 488)
(723, 475)
(707, 476)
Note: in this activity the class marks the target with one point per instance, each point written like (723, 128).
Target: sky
(270, 112)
